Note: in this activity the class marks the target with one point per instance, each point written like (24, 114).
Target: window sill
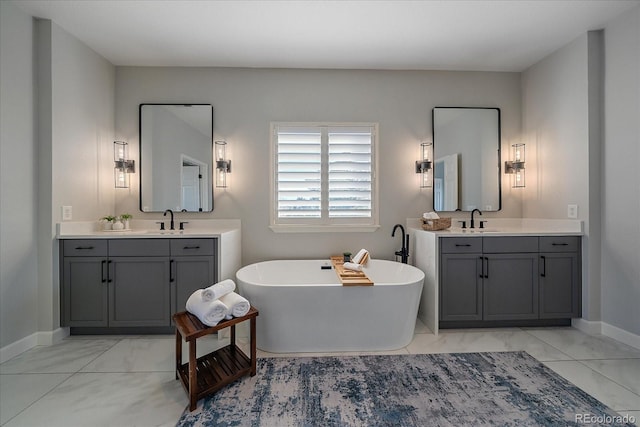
(295, 228)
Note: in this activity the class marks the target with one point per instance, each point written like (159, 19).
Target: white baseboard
(12, 350)
(602, 328)
(590, 327)
(621, 335)
(39, 338)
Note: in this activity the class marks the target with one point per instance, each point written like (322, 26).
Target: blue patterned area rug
(462, 389)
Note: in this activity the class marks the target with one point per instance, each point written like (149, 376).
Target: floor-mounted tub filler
(304, 307)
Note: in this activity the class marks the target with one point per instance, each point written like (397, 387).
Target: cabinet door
(84, 287)
(188, 274)
(559, 284)
(139, 291)
(510, 286)
(461, 287)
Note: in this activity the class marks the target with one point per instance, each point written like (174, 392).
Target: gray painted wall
(83, 122)
(18, 177)
(621, 183)
(57, 130)
(555, 98)
(245, 101)
(77, 89)
(581, 106)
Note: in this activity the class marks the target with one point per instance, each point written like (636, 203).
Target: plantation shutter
(299, 172)
(324, 174)
(349, 181)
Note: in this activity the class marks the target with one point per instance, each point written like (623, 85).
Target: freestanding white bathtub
(304, 308)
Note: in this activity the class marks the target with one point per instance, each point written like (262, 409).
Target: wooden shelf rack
(207, 374)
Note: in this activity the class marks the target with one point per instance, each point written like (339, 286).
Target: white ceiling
(481, 35)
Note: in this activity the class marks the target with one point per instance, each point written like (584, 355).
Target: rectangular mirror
(176, 157)
(466, 159)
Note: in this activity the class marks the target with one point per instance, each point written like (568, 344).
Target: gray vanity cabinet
(113, 283)
(84, 283)
(492, 280)
(559, 277)
(510, 273)
(193, 267)
(461, 279)
(139, 293)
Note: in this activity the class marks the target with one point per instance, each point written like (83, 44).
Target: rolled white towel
(352, 266)
(358, 258)
(238, 305)
(430, 215)
(218, 290)
(209, 312)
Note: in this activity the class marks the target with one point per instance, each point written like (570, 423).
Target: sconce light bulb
(221, 180)
(220, 150)
(120, 150)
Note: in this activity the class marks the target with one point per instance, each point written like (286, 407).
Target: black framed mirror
(466, 159)
(176, 157)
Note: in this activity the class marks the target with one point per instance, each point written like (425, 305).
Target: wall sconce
(424, 166)
(123, 167)
(516, 166)
(223, 165)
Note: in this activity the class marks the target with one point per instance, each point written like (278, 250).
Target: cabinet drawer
(84, 247)
(509, 244)
(559, 243)
(139, 247)
(461, 245)
(192, 247)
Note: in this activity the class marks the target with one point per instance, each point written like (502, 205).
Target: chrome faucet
(404, 252)
(472, 212)
(172, 225)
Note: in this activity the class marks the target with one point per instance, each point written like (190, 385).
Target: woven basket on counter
(436, 224)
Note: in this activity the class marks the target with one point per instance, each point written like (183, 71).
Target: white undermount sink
(117, 232)
(476, 230)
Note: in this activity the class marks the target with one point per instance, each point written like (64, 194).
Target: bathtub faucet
(404, 251)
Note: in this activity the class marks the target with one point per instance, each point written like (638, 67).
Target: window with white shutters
(324, 176)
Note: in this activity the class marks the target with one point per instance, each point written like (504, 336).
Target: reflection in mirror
(466, 146)
(176, 157)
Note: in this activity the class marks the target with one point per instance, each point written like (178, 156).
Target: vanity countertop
(509, 227)
(148, 229)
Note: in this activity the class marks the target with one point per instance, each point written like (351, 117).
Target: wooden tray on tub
(349, 277)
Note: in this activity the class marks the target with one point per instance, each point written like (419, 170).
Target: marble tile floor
(123, 381)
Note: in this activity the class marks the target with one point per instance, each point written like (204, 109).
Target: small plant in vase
(117, 224)
(107, 222)
(125, 220)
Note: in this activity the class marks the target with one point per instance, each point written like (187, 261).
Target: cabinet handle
(109, 279)
(465, 245)
(559, 244)
(171, 279)
(486, 271)
(102, 275)
(84, 248)
(482, 267)
(544, 266)
(191, 247)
